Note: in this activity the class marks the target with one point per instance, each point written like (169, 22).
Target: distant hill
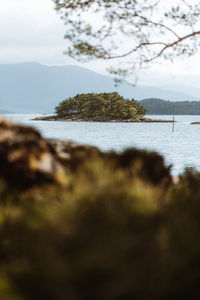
(161, 107)
(191, 90)
(34, 88)
(3, 111)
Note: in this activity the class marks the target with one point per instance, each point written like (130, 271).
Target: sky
(31, 30)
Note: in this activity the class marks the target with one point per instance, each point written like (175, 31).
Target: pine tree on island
(110, 106)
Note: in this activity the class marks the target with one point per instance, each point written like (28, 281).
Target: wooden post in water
(173, 124)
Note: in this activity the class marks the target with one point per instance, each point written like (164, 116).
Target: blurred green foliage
(103, 105)
(111, 232)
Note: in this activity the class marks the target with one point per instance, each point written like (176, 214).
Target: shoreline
(77, 119)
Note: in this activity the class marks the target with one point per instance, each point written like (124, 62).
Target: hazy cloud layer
(31, 30)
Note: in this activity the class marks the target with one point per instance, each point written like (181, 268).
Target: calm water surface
(181, 148)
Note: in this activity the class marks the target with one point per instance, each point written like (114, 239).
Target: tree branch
(136, 48)
(160, 25)
(166, 46)
(173, 44)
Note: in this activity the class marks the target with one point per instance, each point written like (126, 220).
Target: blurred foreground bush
(118, 228)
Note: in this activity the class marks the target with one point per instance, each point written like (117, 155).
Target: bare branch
(136, 48)
(173, 44)
(160, 25)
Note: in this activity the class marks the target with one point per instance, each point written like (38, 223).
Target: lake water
(181, 148)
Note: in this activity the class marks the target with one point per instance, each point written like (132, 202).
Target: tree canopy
(137, 32)
(103, 105)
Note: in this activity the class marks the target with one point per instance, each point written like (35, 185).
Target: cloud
(31, 30)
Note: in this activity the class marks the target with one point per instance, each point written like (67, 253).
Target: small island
(102, 107)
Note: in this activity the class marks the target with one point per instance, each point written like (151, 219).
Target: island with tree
(102, 107)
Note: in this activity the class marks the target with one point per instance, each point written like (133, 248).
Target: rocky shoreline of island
(98, 119)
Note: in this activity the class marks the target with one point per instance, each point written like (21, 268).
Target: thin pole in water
(173, 125)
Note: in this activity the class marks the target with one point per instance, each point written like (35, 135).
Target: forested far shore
(155, 106)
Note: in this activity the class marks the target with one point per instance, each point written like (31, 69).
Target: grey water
(180, 148)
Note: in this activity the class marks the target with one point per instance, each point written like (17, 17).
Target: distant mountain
(32, 87)
(162, 107)
(3, 111)
(191, 90)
